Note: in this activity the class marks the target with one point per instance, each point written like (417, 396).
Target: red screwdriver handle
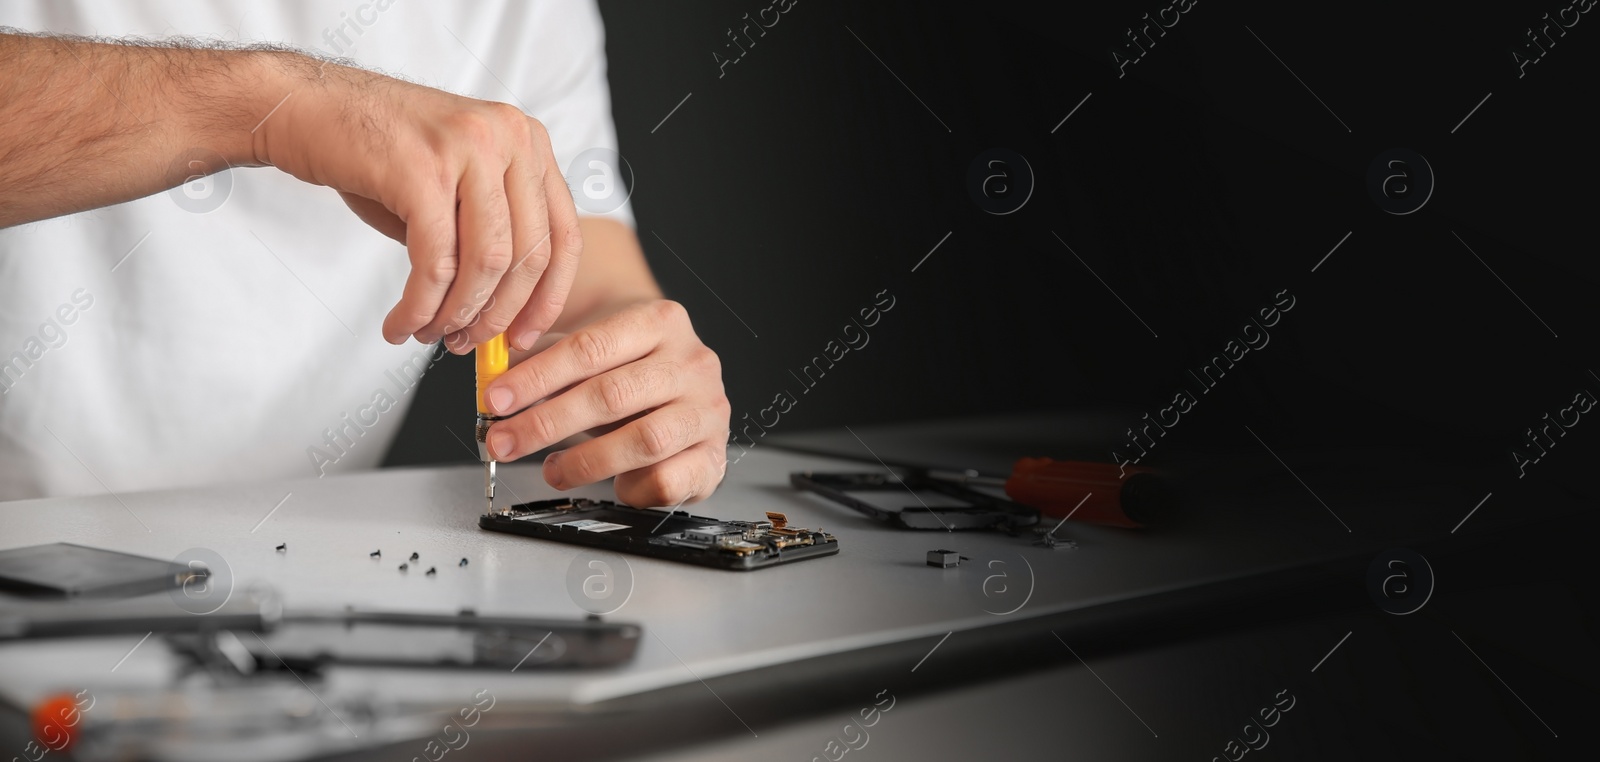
(1087, 491)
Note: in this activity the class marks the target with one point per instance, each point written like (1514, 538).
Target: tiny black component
(432, 570)
(403, 567)
(414, 556)
(376, 554)
(982, 510)
(283, 546)
(945, 559)
(1053, 542)
(463, 562)
(673, 535)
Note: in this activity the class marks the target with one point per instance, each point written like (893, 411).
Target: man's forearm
(87, 124)
(612, 275)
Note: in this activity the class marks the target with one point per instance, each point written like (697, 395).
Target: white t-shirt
(229, 330)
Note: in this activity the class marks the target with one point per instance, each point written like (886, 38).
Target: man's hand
(644, 383)
(470, 187)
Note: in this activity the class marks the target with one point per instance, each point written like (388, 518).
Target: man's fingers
(604, 399)
(530, 235)
(484, 253)
(431, 246)
(548, 300)
(587, 352)
(564, 249)
(651, 439)
(683, 479)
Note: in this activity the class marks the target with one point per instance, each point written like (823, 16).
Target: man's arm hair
(85, 123)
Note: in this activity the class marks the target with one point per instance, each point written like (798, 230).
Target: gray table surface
(699, 623)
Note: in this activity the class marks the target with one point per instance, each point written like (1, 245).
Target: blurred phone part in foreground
(66, 570)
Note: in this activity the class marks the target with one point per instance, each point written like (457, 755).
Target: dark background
(809, 178)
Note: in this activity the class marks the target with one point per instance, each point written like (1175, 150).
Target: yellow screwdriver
(493, 358)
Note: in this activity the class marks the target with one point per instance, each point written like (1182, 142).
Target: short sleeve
(566, 58)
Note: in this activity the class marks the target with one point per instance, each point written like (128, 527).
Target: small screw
(463, 562)
(432, 570)
(414, 556)
(403, 567)
(376, 554)
(283, 547)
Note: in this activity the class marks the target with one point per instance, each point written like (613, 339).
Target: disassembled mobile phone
(673, 535)
(978, 511)
(67, 570)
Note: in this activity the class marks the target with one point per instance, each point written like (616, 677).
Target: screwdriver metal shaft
(488, 483)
